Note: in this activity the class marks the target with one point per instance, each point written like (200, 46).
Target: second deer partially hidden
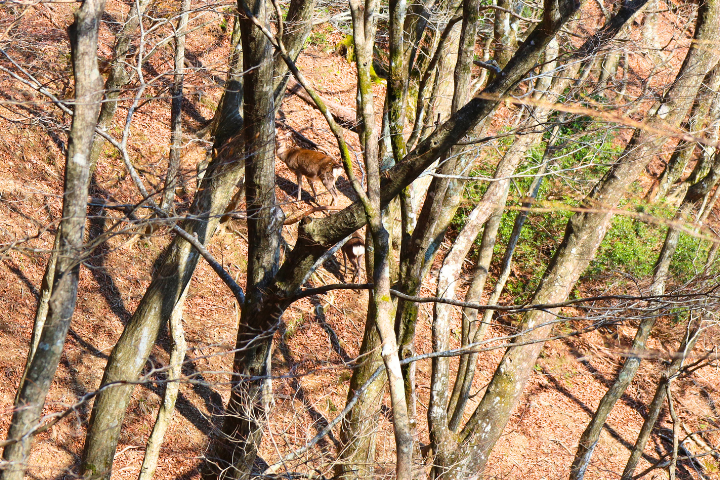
(310, 164)
(353, 250)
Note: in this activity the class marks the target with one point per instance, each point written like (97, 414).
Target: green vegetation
(319, 36)
(583, 154)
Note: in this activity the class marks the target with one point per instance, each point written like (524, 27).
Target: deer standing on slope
(353, 249)
(310, 164)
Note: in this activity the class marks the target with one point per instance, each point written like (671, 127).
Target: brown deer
(310, 164)
(353, 249)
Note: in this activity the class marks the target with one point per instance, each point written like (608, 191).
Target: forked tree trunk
(41, 369)
(443, 414)
(172, 275)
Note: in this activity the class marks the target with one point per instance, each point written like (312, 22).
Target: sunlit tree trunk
(678, 102)
(61, 304)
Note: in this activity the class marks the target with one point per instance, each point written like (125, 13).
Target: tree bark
(172, 275)
(233, 452)
(172, 387)
(83, 35)
(176, 96)
(118, 77)
(696, 65)
(448, 451)
(671, 372)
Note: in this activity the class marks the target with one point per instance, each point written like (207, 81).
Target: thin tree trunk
(475, 333)
(381, 309)
(117, 78)
(505, 36)
(687, 84)
(397, 85)
(583, 235)
(41, 369)
(176, 93)
(676, 365)
(675, 432)
(591, 434)
(447, 450)
(172, 275)
(172, 387)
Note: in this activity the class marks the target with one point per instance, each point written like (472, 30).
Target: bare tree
(70, 243)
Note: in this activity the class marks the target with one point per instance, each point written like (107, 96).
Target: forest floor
(319, 335)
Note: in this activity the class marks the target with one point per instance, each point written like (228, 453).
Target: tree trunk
(172, 387)
(172, 275)
(701, 116)
(176, 96)
(117, 78)
(697, 63)
(442, 200)
(505, 33)
(41, 369)
(442, 429)
(632, 363)
(583, 235)
(672, 371)
(234, 451)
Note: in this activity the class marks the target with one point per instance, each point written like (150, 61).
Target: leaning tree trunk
(702, 115)
(631, 364)
(41, 369)
(670, 373)
(172, 275)
(172, 388)
(679, 100)
(443, 415)
(583, 235)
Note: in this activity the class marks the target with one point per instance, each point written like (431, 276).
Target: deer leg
(344, 265)
(357, 269)
(334, 193)
(299, 178)
(312, 186)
